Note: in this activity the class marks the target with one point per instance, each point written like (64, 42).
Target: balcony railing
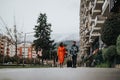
(93, 35)
(98, 4)
(97, 7)
(105, 8)
(95, 12)
(86, 45)
(95, 29)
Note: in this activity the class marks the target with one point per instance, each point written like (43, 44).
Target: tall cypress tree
(111, 29)
(42, 35)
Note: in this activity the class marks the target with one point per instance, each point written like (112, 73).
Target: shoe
(74, 66)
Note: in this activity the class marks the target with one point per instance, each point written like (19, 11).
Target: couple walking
(62, 52)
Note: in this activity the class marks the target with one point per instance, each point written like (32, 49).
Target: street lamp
(24, 46)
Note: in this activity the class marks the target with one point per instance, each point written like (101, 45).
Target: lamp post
(25, 46)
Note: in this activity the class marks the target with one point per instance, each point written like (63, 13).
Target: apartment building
(26, 50)
(93, 14)
(5, 43)
(7, 47)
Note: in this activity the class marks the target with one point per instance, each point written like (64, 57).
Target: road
(60, 74)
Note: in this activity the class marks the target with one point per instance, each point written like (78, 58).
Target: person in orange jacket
(61, 54)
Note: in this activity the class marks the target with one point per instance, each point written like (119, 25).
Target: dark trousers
(74, 60)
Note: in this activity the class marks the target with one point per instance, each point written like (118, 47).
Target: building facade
(7, 47)
(93, 14)
(26, 50)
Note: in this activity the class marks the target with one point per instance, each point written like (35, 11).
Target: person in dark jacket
(73, 51)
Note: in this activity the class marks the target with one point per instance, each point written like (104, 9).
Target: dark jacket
(74, 50)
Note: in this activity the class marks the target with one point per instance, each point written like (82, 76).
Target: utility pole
(15, 35)
(24, 50)
(25, 47)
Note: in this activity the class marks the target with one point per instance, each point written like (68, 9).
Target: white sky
(62, 14)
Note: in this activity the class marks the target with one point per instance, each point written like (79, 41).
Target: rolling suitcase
(69, 63)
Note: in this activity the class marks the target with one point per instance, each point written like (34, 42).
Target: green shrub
(104, 51)
(110, 54)
(103, 65)
(98, 57)
(118, 45)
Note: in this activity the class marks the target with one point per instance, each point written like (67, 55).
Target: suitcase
(69, 63)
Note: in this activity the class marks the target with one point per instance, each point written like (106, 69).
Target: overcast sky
(62, 14)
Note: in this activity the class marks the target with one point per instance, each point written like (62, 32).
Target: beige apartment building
(26, 50)
(7, 47)
(93, 14)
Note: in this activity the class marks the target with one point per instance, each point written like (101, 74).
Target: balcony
(96, 10)
(99, 21)
(98, 4)
(86, 46)
(82, 50)
(86, 42)
(94, 35)
(90, 40)
(87, 37)
(95, 29)
(95, 13)
(105, 8)
(95, 32)
(87, 34)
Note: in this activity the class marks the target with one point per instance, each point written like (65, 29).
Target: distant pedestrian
(73, 51)
(61, 54)
(54, 55)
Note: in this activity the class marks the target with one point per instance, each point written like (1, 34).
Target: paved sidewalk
(60, 74)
